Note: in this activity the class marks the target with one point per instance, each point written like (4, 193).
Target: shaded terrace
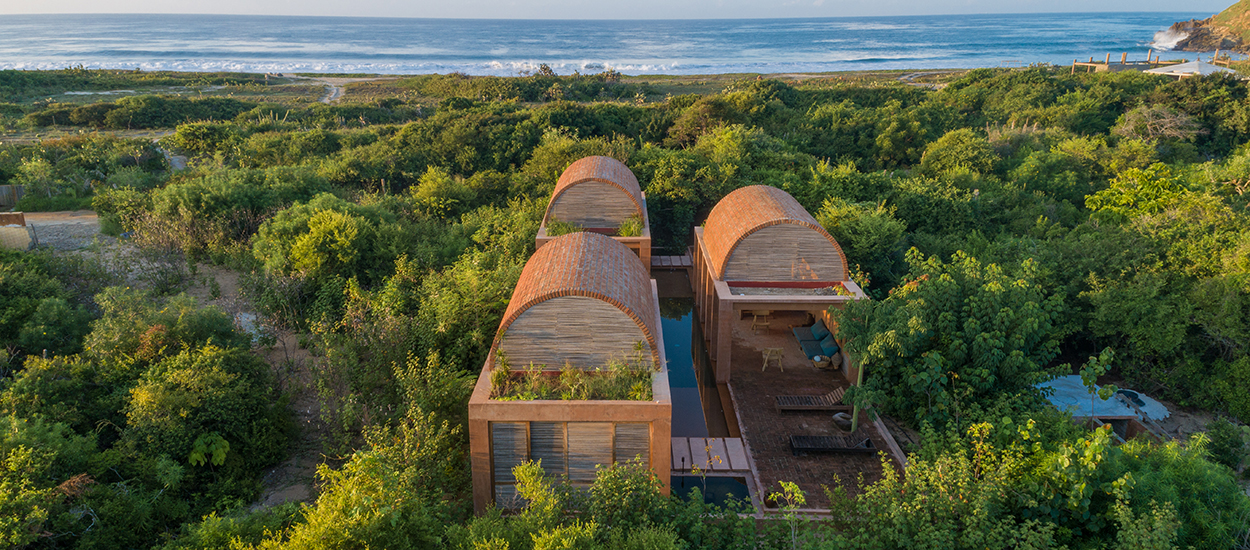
(766, 431)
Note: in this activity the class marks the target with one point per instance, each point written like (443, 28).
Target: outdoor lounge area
(767, 429)
(586, 306)
(765, 276)
(599, 195)
(761, 254)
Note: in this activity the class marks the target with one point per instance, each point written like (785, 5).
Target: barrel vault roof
(591, 265)
(601, 169)
(747, 210)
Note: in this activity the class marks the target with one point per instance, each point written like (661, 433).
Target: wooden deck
(713, 454)
(672, 262)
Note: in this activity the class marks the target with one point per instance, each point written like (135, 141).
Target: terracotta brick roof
(592, 265)
(603, 169)
(747, 210)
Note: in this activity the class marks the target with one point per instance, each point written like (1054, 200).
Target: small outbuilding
(600, 195)
(761, 252)
(583, 301)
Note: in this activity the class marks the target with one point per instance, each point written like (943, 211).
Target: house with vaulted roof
(599, 195)
(583, 303)
(760, 253)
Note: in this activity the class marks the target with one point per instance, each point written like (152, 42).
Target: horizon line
(588, 18)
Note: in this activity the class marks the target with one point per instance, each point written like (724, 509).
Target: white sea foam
(1167, 39)
(503, 48)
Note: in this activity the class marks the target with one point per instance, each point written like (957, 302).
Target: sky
(600, 9)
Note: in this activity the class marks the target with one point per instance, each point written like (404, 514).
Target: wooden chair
(803, 444)
(771, 354)
(759, 322)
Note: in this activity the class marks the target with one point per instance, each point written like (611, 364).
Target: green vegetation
(555, 228)
(631, 227)
(1234, 19)
(162, 417)
(1008, 227)
(618, 380)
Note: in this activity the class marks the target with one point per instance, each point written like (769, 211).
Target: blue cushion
(811, 348)
(819, 330)
(828, 347)
(804, 334)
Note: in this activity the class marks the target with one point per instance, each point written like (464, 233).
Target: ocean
(510, 47)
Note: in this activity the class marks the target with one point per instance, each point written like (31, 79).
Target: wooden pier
(1152, 61)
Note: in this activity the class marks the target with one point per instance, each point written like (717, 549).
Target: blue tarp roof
(1072, 395)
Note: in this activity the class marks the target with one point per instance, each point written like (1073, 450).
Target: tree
(953, 334)
(210, 399)
(1136, 192)
(1149, 122)
(869, 234)
(961, 148)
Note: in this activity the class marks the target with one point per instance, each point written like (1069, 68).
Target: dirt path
(176, 162)
(910, 80)
(294, 480)
(65, 230)
(334, 85)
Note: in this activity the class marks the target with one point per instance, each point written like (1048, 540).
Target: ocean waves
(511, 47)
(1167, 39)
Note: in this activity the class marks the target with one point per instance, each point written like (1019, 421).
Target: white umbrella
(1193, 68)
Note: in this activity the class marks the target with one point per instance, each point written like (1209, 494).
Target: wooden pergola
(761, 250)
(598, 194)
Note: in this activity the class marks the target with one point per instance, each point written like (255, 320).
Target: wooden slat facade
(509, 448)
(585, 332)
(571, 437)
(590, 444)
(10, 194)
(785, 252)
(548, 445)
(593, 204)
(556, 294)
(572, 449)
(632, 442)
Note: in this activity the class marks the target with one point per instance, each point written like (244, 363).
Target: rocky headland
(1205, 35)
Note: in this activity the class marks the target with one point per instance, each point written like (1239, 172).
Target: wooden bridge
(671, 262)
(711, 454)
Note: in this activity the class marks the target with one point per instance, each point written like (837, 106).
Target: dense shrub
(36, 313)
(952, 335)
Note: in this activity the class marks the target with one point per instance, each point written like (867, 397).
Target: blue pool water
(688, 417)
(697, 408)
(716, 490)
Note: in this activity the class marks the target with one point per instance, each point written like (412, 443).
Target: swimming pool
(697, 409)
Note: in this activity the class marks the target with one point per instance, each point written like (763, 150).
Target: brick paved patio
(766, 431)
